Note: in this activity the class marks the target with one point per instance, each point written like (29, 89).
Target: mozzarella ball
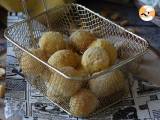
(107, 45)
(2, 72)
(30, 65)
(64, 58)
(95, 59)
(50, 42)
(83, 103)
(107, 84)
(81, 39)
(60, 86)
(81, 71)
(46, 75)
(56, 99)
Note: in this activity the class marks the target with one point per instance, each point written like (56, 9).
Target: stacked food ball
(83, 55)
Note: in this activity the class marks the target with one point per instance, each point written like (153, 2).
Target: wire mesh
(65, 19)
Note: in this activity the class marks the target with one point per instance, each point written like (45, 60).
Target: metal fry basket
(65, 19)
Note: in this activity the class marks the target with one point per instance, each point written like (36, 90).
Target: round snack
(57, 99)
(60, 86)
(64, 58)
(81, 39)
(95, 59)
(50, 42)
(108, 84)
(2, 72)
(30, 65)
(81, 71)
(46, 75)
(107, 45)
(69, 46)
(2, 90)
(83, 103)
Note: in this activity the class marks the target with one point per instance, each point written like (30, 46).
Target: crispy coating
(81, 39)
(95, 59)
(107, 45)
(64, 58)
(60, 86)
(32, 66)
(107, 84)
(83, 103)
(50, 42)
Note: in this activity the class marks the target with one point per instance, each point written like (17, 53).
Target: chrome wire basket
(65, 19)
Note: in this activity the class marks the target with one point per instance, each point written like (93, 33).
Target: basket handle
(24, 4)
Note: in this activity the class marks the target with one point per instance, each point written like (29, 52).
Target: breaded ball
(107, 84)
(2, 90)
(54, 98)
(60, 86)
(81, 71)
(95, 59)
(81, 39)
(69, 45)
(30, 65)
(107, 45)
(83, 103)
(64, 58)
(46, 74)
(50, 42)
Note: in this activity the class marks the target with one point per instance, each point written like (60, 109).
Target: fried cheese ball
(81, 39)
(83, 103)
(57, 99)
(107, 84)
(2, 90)
(60, 86)
(107, 45)
(95, 59)
(81, 71)
(46, 75)
(30, 65)
(50, 42)
(64, 58)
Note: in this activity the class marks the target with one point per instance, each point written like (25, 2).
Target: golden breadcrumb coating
(83, 103)
(95, 59)
(60, 86)
(107, 84)
(32, 66)
(50, 42)
(64, 58)
(81, 39)
(107, 45)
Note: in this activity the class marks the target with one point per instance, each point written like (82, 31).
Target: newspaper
(143, 101)
(25, 102)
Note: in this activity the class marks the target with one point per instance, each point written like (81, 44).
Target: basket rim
(105, 71)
